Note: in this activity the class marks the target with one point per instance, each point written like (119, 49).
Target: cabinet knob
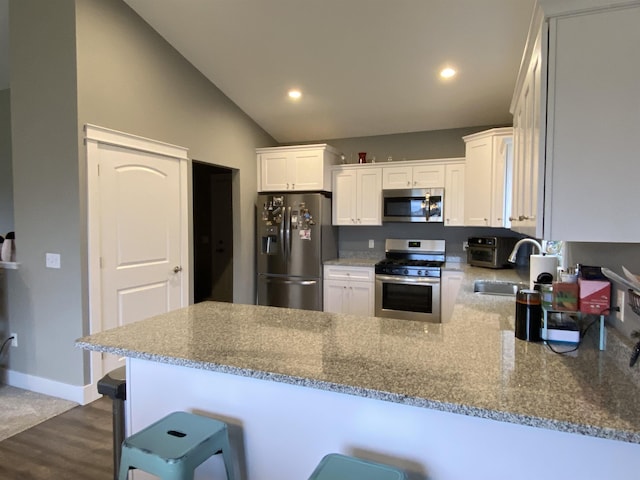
(177, 269)
(513, 219)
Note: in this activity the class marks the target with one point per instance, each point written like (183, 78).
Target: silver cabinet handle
(177, 269)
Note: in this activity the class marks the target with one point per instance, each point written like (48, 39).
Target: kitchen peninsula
(458, 400)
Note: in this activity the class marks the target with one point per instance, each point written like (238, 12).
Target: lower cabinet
(349, 290)
(450, 282)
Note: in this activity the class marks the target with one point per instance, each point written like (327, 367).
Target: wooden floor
(74, 445)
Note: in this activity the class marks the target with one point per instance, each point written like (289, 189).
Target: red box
(595, 296)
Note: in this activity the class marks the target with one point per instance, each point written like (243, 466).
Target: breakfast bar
(461, 399)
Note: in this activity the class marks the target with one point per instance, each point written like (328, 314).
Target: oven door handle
(406, 280)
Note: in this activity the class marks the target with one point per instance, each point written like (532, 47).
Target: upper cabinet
(357, 196)
(296, 168)
(529, 111)
(486, 201)
(454, 194)
(576, 123)
(407, 176)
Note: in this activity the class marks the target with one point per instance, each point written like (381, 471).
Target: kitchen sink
(495, 287)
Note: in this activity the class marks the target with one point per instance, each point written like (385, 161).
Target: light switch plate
(370, 243)
(52, 260)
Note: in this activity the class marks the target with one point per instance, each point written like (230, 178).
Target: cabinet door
(369, 197)
(528, 140)
(478, 188)
(500, 181)
(594, 111)
(274, 171)
(306, 171)
(397, 177)
(454, 194)
(361, 300)
(344, 197)
(428, 176)
(335, 292)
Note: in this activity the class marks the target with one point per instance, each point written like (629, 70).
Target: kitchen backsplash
(354, 241)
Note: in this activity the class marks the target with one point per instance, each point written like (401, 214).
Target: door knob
(177, 269)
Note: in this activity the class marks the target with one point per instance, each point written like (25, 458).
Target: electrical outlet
(371, 243)
(52, 260)
(14, 340)
(621, 304)
(465, 246)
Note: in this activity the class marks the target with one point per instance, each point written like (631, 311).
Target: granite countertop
(353, 262)
(471, 365)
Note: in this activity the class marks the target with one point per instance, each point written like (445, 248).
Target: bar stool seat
(335, 466)
(175, 445)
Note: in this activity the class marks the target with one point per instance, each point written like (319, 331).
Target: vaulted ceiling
(364, 67)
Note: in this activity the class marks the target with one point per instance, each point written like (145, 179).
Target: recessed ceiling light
(295, 94)
(447, 72)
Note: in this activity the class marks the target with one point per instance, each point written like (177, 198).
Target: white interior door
(138, 224)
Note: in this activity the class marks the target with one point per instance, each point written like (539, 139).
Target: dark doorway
(212, 233)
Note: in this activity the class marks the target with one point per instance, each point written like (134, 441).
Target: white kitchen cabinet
(592, 164)
(576, 123)
(349, 290)
(450, 282)
(486, 196)
(357, 196)
(296, 168)
(425, 175)
(529, 110)
(454, 194)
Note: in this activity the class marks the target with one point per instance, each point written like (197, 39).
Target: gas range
(412, 258)
(408, 280)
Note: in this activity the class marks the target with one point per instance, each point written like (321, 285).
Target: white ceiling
(365, 67)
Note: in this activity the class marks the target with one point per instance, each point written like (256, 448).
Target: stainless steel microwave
(413, 205)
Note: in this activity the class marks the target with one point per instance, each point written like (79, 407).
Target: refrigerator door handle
(288, 227)
(282, 222)
(291, 282)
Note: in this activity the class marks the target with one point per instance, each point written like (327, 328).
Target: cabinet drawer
(361, 274)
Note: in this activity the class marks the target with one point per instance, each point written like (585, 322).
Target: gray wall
(6, 205)
(45, 305)
(97, 62)
(407, 146)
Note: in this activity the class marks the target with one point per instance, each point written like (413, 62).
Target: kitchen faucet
(514, 252)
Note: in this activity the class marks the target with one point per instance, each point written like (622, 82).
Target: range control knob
(419, 273)
(406, 272)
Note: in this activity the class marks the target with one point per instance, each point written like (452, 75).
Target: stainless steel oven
(407, 284)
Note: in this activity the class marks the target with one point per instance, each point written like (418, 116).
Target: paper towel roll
(542, 263)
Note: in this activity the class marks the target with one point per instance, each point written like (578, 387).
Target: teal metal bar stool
(175, 445)
(342, 467)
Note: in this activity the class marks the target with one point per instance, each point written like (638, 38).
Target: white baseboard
(81, 394)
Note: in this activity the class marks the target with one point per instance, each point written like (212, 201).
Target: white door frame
(94, 136)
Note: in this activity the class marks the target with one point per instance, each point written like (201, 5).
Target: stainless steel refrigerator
(294, 238)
